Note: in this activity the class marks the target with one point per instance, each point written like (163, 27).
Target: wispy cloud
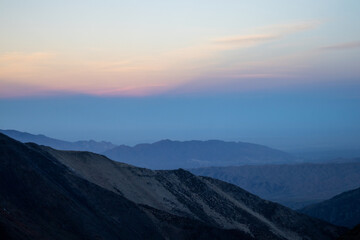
(268, 33)
(132, 91)
(296, 27)
(236, 40)
(342, 46)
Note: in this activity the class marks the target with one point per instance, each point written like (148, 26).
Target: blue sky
(289, 120)
(281, 73)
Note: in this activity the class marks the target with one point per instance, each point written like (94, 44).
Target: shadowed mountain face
(50, 194)
(40, 198)
(168, 154)
(353, 234)
(90, 145)
(342, 210)
(294, 185)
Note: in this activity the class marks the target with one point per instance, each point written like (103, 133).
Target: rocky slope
(167, 154)
(294, 185)
(205, 199)
(342, 210)
(40, 198)
(50, 194)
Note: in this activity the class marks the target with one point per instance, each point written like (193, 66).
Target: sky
(281, 73)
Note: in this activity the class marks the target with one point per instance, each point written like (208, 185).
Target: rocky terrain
(51, 194)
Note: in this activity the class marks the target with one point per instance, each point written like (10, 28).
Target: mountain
(353, 234)
(294, 185)
(342, 210)
(40, 198)
(51, 194)
(90, 145)
(167, 154)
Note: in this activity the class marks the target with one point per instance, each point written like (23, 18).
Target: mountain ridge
(178, 189)
(82, 145)
(342, 209)
(293, 185)
(50, 197)
(168, 154)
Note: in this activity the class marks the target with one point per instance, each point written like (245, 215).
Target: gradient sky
(281, 73)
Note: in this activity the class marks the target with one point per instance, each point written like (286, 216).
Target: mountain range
(91, 145)
(51, 194)
(295, 185)
(342, 209)
(167, 154)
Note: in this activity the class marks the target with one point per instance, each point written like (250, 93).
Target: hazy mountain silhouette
(167, 154)
(342, 210)
(294, 185)
(327, 155)
(90, 145)
(50, 194)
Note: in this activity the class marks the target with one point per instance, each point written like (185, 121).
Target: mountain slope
(294, 185)
(353, 234)
(342, 210)
(167, 154)
(91, 145)
(40, 198)
(207, 200)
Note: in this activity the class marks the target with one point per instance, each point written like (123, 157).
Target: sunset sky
(281, 73)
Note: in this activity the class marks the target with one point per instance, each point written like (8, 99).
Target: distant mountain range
(167, 154)
(294, 185)
(342, 210)
(91, 146)
(327, 155)
(51, 194)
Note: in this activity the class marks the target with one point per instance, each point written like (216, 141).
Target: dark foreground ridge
(353, 234)
(50, 194)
